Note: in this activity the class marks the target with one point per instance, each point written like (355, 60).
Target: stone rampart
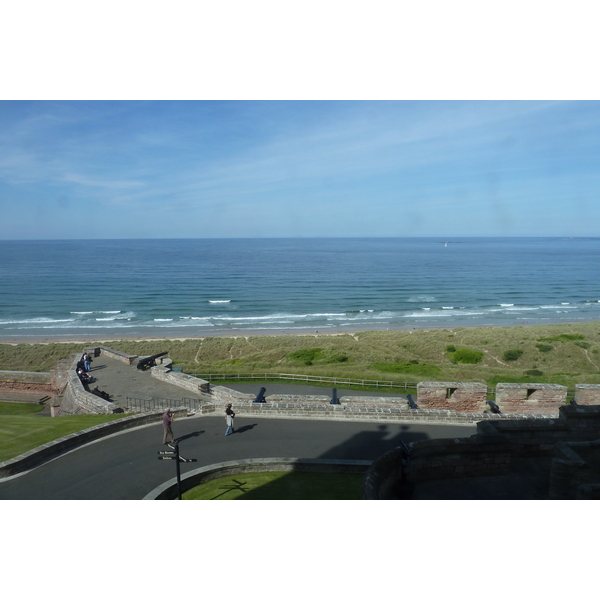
(128, 359)
(461, 397)
(572, 439)
(78, 400)
(575, 467)
(587, 394)
(164, 372)
(537, 437)
(477, 456)
(530, 437)
(461, 457)
(530, 398)
(26, 377)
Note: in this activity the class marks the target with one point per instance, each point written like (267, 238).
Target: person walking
(229, 415)
(168, 418)
(87, 359)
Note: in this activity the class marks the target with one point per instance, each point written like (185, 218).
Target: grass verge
(19, 408)
(280, 486)
(20, 433)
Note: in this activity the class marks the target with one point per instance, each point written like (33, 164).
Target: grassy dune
(566, 354)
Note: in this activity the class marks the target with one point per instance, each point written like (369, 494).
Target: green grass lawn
(20, 432)
(20, 408)
(280, 486)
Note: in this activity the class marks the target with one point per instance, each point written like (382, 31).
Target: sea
(204, 287)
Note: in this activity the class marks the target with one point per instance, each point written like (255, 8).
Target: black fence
(151, 404)
(307, 379)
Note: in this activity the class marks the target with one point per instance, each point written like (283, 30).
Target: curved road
(125, 466)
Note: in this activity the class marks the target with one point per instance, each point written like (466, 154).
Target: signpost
(174, 455)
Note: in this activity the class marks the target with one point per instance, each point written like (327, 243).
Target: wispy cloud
(289, 158)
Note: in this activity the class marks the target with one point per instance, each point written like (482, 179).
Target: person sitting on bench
(85, 378)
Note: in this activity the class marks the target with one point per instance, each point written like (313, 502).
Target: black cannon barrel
(494, 407)
(411, 402)
(334, 397)
(260, 397)
(146, 363)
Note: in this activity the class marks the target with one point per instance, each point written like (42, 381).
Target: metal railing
(330, 381)
(148, 404)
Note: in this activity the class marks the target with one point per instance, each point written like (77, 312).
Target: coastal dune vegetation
(565, 354)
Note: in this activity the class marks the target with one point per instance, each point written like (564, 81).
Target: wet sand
(245, 333)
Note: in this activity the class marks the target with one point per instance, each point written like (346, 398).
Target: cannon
(334, 397)
(411, 402)
(260, 397)
(149, 361)
(494, 407)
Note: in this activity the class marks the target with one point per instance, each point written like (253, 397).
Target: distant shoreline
(245, 333)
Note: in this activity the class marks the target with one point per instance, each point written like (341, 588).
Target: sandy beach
(241, 333)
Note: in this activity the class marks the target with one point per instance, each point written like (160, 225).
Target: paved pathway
(126, 465)
(121, 381)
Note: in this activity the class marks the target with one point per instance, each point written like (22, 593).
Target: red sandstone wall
(467, 397)
(587, 394)
(530, 398)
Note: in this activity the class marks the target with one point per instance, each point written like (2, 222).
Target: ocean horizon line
(300, 237)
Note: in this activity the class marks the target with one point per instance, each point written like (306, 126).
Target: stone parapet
(462, 397)
(327, 411)
(460, 457)
(77, 400)
(575, 464)
(537, 436)
(587, 394)
(572, 441)
(26, 377)
(190, 383)
(128, 359)
(530, 398)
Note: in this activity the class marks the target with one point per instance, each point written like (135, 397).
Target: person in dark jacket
(229, 415)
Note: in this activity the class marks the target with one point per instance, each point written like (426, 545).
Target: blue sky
(179, 169)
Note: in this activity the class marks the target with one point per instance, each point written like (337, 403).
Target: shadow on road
(190, 435)
(365, 445)
(245, 428)
(371, 444)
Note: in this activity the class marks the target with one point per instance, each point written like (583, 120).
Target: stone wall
(461, 397)
(164, 372)
(77, 400)
(460, 457)
(530, 398)
(116, 354)
(537, 437)
(393, 475)
(575, 471)
(530, 437)
(26, 377)
(572, 438)
(587, 394)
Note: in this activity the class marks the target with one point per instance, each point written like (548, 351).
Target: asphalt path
(125, 466)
